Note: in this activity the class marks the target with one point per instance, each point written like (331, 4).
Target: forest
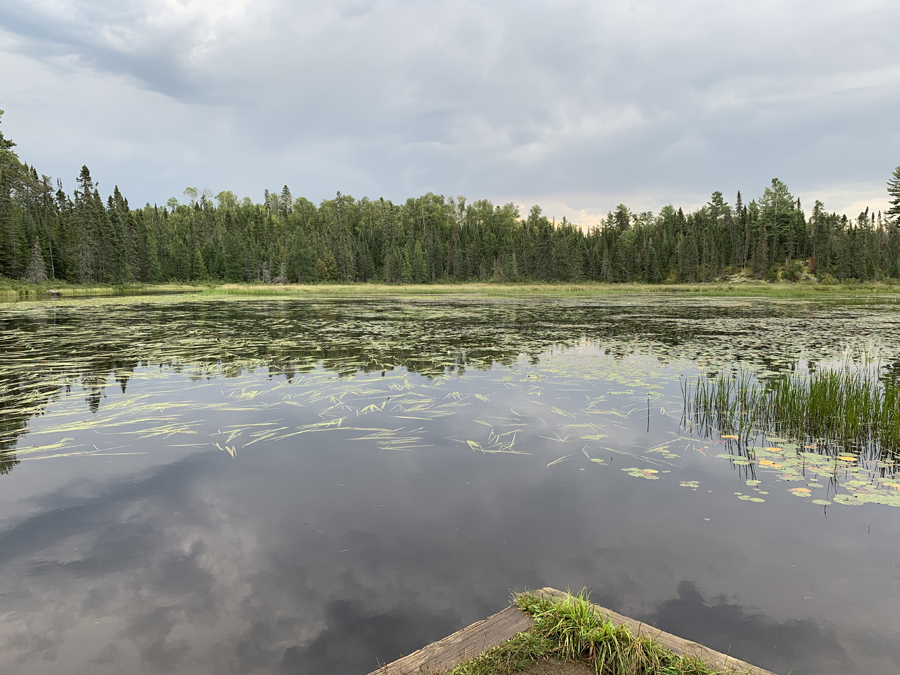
(46, 233)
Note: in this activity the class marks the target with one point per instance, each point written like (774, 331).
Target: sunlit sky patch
(576, 106)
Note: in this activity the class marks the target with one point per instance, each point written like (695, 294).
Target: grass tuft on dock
(572, 631)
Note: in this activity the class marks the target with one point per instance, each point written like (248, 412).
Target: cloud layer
(577, 105)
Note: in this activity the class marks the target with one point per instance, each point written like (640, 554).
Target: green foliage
(5, 144)
(36, 273)
(326, 268)
(428, 239)
(793, 270)
(893, 188)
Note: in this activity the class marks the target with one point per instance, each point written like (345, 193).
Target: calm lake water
(317, 486)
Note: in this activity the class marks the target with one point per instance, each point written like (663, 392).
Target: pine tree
(5, 143)
(419, 264)
(690, 258)
(893, 188)
(761, 254)
(406, 274)
(286, 203)
(84, 217)
(11, 239)
(179, 259)
(234, 257)
(36, 272)
(778, 213)
(116, 240)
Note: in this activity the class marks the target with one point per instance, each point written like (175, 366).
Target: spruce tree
(10, 229)
(893, 188)
(778, 209)
(85, 226)
(761, 254)
(419, 264)
(5, 143)
(36, 272)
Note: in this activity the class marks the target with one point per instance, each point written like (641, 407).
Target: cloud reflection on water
(322, 554)
(208, 565)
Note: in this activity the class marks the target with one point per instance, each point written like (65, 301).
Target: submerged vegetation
(82, 238)
(571, 630)
(569, 384)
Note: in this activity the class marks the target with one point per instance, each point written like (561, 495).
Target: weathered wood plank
(463, 645)
(680, 646)
(446, 654)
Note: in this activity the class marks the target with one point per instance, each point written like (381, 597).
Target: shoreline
(11, 292)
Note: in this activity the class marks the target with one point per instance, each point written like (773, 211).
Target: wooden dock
(446, 654)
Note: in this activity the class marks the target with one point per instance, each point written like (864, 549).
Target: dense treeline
(83, 239)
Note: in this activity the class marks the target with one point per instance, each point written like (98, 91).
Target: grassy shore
(571, 631)
(12, 290)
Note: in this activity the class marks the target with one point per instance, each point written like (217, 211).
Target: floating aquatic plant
(236, 376)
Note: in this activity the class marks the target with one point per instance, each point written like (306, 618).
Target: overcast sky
(576, 106)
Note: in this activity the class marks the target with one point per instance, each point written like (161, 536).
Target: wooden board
(446, 654)
(680, 646)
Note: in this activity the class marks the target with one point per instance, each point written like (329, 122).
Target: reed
(851, 406)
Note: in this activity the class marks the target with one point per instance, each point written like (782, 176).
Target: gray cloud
(581, 103)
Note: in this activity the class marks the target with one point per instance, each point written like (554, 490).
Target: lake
(253, 485)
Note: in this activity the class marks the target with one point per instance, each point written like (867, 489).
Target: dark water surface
(288, 486)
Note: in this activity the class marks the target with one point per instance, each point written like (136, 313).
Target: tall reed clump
(851, 406)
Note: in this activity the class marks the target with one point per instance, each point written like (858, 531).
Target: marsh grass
(491, 289)
(850, 406)
(571, 630)
(11, 290)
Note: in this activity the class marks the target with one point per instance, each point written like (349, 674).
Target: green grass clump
(571, 630)
(849, 406)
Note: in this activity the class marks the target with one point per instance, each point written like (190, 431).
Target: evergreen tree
(893, 188)
(419, 264)
(6, 144)
(36, 272)
(11, 231)
(761, 254)
(83, 214)
(777, 210)
(326, 267)
(83, 239)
